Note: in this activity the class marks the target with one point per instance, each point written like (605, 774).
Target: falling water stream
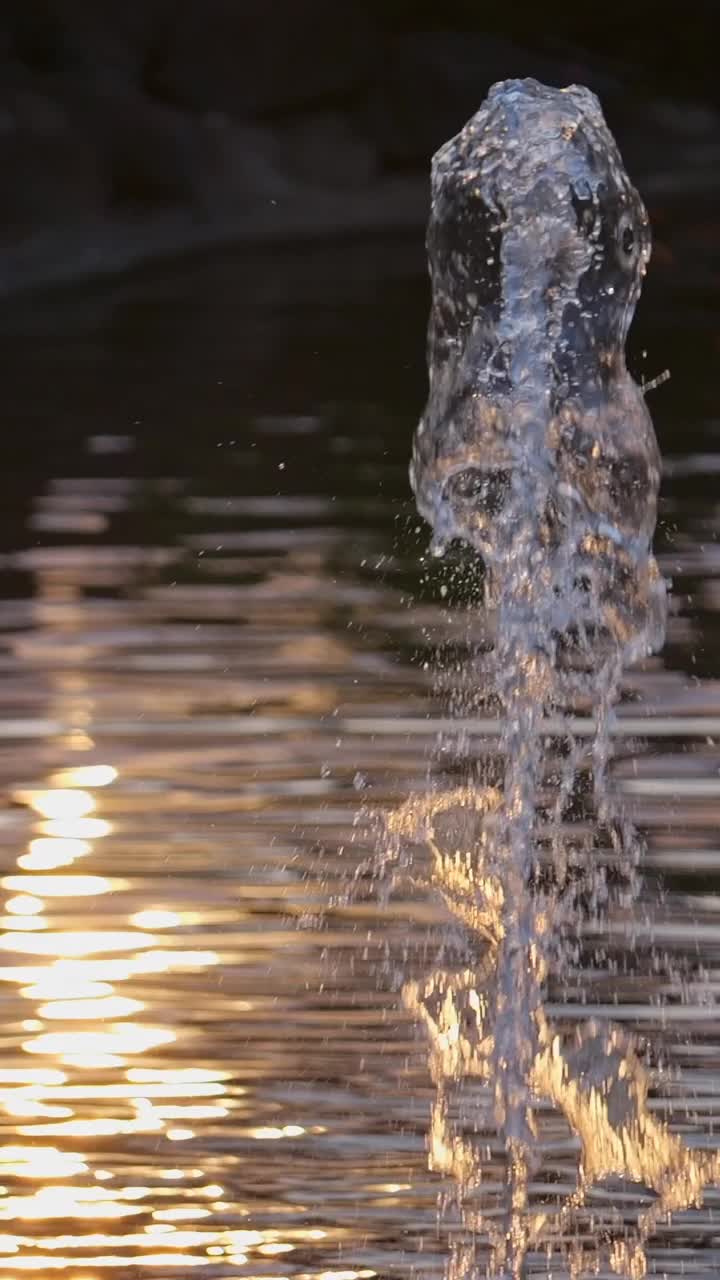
(536, 458)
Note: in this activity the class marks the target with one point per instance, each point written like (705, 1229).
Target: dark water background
(213, 586)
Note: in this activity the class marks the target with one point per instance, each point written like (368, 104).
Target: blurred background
(134, 130)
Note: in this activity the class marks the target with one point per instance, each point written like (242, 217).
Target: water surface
(218, 631)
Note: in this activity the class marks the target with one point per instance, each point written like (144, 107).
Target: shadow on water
(219, 626)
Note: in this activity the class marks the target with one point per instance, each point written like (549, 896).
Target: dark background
(133, 129)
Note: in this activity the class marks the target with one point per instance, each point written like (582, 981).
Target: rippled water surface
(218, 632)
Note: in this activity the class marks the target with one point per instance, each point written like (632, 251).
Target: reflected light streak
(156, 919)
(43, 1262)
(21, 924)
(72, 886)
(243, 1239)
(177, 1075)
(191, 1112)
(56, 986)
(72, 971)
(89, 775)
(73, 1202)
(145, 1122)
(127, 1037)
(24, 905)
(181, 1214)
(40, 1162)
(55, 855)
(25, 1100)
(103, 1007)
(78, 944)
(75, 828)
(203, 1089)
(31, 1075)
(26, 1107)
(167, 961)
(76, 740)
(345, 1275)
(97, 1061)
(76, 989)
(268, 1133)
(59, 803)
(63, 976)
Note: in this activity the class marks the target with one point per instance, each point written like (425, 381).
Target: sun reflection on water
(73, 982)
(24, 905)
(156, 919)
(93, 1005)
(93, 775)
(63, 803)
(74, 829)
(80, 943)
(72, 886)
(123, 1038)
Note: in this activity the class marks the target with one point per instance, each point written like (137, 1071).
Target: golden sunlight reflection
(46, 861)
(53, 986)
(82, 943)
(202, 1089)
(75, 828)
(173, 961)
(93, 1007)
(74, 1202)
(181, 1214)
(593, 1074)
(268, 1133)
(89, 1061)
(366, 1274)
(92, 775)
(177, 1075)
(152, 919)
(185, 1112)
(42, 1262)
(40, 1162)
(23, 1104)
(69, 886)
(32, 1075)
(145, 1122)
(24, 905)
(127, 1037)
(70, 976)
(61, 803)
(22, 923)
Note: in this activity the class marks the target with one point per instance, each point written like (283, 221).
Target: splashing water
(536, 461)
